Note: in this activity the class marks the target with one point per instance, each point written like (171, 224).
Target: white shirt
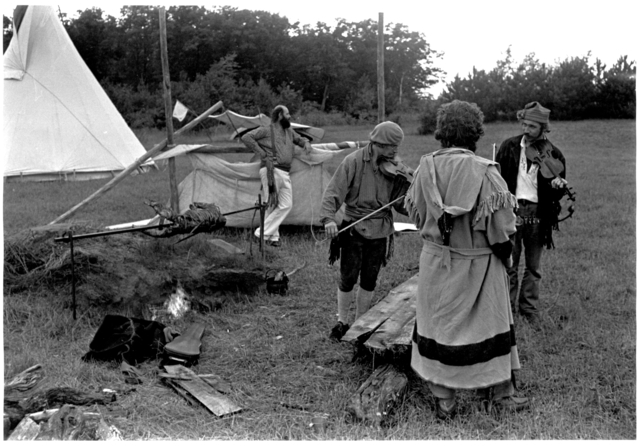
(527, 186)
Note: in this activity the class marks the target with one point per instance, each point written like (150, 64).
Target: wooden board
(213, 400)
(375, 318)
(388, 335)
(27, 430)
(404, 337)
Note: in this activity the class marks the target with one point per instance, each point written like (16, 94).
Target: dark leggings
(362, 257)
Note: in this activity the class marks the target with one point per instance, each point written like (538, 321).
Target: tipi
(58, 123)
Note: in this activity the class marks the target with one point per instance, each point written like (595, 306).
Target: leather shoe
(534, 321)
(338, 331)
(511, 404)
(274, 243)
(446, 408)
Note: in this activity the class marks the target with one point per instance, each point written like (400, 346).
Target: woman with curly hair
(464, 335)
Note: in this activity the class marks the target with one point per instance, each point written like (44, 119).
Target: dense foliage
(253, 60)
(573, 89)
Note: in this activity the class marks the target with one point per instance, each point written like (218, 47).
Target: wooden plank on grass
(389, 334)
(27, 430)
(383, 310)
(213, 400)
(404, 337)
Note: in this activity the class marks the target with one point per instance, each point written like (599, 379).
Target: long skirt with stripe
(464, 336)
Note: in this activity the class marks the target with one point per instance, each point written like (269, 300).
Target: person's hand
(331, 229)
(307, 147)
(558, 183)
(508, 262)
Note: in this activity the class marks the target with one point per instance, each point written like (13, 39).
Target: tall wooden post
(168, 109)
(381, 111)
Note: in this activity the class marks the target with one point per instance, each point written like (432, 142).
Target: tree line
(573, 89)
(253, 60)
(248, 59)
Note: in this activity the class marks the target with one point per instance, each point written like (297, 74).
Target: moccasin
(446, 408)
(511, 404)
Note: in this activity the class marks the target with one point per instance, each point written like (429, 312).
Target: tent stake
(262, 212)
(73, 276)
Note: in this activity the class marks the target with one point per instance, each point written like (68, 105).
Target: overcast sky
(472, 33)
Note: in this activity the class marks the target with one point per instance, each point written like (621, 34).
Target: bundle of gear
(199, 218)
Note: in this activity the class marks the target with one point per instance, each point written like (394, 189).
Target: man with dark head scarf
(538, 204)
(464, 336)
(362, 185)
(274, 144)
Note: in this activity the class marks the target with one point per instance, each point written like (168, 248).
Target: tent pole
(381, 110)
(166, 75)
(154, 151)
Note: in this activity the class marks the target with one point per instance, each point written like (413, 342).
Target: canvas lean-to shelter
(58, 123)
(235, 185)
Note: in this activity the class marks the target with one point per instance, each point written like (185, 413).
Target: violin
(540, 152)
(391, 168)
(401, 174)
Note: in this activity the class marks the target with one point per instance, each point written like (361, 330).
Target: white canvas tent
(58, 123)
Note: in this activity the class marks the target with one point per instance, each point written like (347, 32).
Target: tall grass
(579, 370)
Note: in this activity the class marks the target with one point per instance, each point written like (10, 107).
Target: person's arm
(250, 139)
(501, 157)
(498, 223)
(301, 142)
(335, 194)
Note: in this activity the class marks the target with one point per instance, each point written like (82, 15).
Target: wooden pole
(122, 175)
(168, 112)
(381, 110)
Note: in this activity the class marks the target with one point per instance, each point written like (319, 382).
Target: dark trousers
(527, 237)
(360, 257)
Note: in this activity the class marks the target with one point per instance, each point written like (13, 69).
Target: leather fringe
(494, 202)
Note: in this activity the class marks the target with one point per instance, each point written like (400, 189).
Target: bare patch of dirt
(129, 270)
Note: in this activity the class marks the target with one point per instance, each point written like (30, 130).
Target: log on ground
(377, 397)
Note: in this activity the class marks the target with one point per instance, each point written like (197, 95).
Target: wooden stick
(122, 175)
(168, 112)
(372, 213)
(381, 89)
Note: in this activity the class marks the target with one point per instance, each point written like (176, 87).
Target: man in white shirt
(538, 198)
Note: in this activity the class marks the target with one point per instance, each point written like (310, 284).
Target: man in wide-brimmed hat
(362, 185)
(538, 203)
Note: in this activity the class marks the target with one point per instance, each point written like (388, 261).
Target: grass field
(579, 370)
